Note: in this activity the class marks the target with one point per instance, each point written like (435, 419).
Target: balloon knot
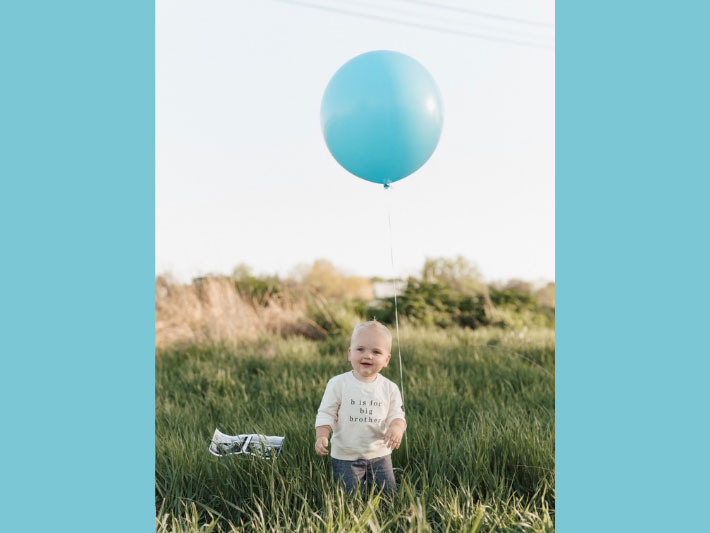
(387, 185)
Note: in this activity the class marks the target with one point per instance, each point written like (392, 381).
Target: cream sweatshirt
(359, 414)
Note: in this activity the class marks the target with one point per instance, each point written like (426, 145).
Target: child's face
(369, 353)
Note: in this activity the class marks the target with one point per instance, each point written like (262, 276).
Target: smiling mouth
(366, 364)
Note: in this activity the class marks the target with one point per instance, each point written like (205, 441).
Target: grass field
(480, 411)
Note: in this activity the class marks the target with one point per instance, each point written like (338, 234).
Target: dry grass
(212, 310)
(228, 310)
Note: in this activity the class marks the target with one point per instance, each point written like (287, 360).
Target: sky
(243, 174)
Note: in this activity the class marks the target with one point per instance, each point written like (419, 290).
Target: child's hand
(393, 437)
(322, 445)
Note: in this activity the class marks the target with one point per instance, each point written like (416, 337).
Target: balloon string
(396, 315)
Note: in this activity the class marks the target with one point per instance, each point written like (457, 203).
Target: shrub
(435, 304)
(459, 274)
(258, 290)
(325, 279)
(514, 308)
(335, 318)
(439, 304)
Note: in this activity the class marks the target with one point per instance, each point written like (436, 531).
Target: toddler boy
(364, 411)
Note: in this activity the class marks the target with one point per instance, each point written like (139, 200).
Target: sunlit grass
(480, 409)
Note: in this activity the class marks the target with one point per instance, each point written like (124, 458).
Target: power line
(417, 25)
(516, 33)
(480, 13)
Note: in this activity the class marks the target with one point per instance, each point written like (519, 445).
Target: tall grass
(480, 410)
(212, 310)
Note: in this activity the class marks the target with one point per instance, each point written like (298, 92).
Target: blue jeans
(365, 472)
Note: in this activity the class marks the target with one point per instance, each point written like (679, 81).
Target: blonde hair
(372, 324)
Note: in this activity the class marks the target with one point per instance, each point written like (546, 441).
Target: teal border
(77, 223)
(633, 271)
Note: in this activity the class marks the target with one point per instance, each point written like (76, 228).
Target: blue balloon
(381, 116)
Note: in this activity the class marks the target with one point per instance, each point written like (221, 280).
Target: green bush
(336, 318)
(438, 304)
(259, 290)
(515, 309)
(435, 304)
(513, 298)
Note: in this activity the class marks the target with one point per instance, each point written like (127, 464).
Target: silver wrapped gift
(252, 444)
